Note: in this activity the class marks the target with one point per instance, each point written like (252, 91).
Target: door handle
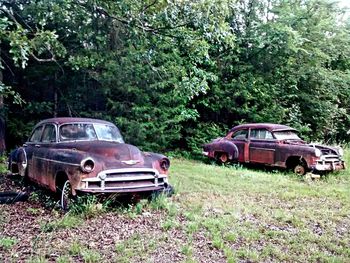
(37, 145)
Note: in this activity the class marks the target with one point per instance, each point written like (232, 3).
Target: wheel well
(232, 154)
(13, 167)
(61, 178)
(218, 153)
(293, 161)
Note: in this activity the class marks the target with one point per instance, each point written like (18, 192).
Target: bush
(201, 134)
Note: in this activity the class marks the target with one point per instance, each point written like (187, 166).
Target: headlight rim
(84, 162)
(318, 152)
(164, 164)
(341, 151)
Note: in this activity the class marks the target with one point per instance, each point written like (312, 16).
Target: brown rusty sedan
(274, 145)
(80, 155)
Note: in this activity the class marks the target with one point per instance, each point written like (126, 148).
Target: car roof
(62, 120)
(267, 126)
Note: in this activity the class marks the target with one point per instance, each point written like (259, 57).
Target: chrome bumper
(125, 180)
(329, 163)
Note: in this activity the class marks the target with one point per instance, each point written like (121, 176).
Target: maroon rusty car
(72, 155)
(274, 145)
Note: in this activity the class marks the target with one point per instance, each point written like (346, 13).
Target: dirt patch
(113, 235)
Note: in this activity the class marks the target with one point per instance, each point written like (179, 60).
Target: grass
(7, 242)
(67, 221)
(254, 215)
(134, 247)
(219, 212)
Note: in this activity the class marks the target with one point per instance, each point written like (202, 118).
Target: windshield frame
(86, 140)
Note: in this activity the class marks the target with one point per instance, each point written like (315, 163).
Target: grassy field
(218, 214)
(258, 216)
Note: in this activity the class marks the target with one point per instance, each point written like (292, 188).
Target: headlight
(341, 151)
(87, 165)
(318, 152)
(164, 164)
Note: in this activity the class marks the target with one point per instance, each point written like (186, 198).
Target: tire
(12, 197)
(222, 158)
(300, 169)
(66, 197)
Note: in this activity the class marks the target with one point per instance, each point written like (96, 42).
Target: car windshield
(88, 132)
(108, 133)
(286, 135)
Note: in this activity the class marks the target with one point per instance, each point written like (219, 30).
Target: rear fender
(225, 147)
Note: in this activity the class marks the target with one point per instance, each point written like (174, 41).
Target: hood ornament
(131, 162)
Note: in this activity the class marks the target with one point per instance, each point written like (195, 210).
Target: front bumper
(128, 180)
(329, 163)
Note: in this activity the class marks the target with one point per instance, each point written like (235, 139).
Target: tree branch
(148, 6)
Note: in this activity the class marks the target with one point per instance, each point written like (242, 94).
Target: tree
(24, 40)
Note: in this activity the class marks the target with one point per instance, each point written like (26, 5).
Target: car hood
(106, 150)
(325, 149)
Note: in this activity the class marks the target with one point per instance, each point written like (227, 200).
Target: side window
(36, 135)
(49, 133)
(240, 135)
(261, 134)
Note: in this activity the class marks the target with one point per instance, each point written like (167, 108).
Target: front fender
(153, 160)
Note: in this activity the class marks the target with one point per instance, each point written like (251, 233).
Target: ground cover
(218, 214)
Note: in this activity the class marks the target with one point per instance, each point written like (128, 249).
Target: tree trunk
(2, 120)
(55, 97)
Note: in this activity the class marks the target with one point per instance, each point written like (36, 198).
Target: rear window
(36, 135)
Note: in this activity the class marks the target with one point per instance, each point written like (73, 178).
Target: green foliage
(3, 164)
(91, 256)
(88, 255)
(75, 249)
(63, 259)
(174, 75)
(40, 259)
(68, 221)
(7, 243)
(88, 206)
(201, 134)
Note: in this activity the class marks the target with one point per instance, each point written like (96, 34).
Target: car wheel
(66, 196)
(222, 158)
(300, 169)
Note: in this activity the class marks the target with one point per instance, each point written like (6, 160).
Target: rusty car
(81, 155)
(274, 145)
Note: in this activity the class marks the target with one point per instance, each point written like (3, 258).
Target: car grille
(125, 179)
(330, 158)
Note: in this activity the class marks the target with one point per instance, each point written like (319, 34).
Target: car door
(262, 146)
(240, 139)
(39, 146)
(45, 154)
(32, 147)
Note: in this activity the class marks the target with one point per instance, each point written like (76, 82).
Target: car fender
(225, 146)
(18, 161)
(153, 160)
